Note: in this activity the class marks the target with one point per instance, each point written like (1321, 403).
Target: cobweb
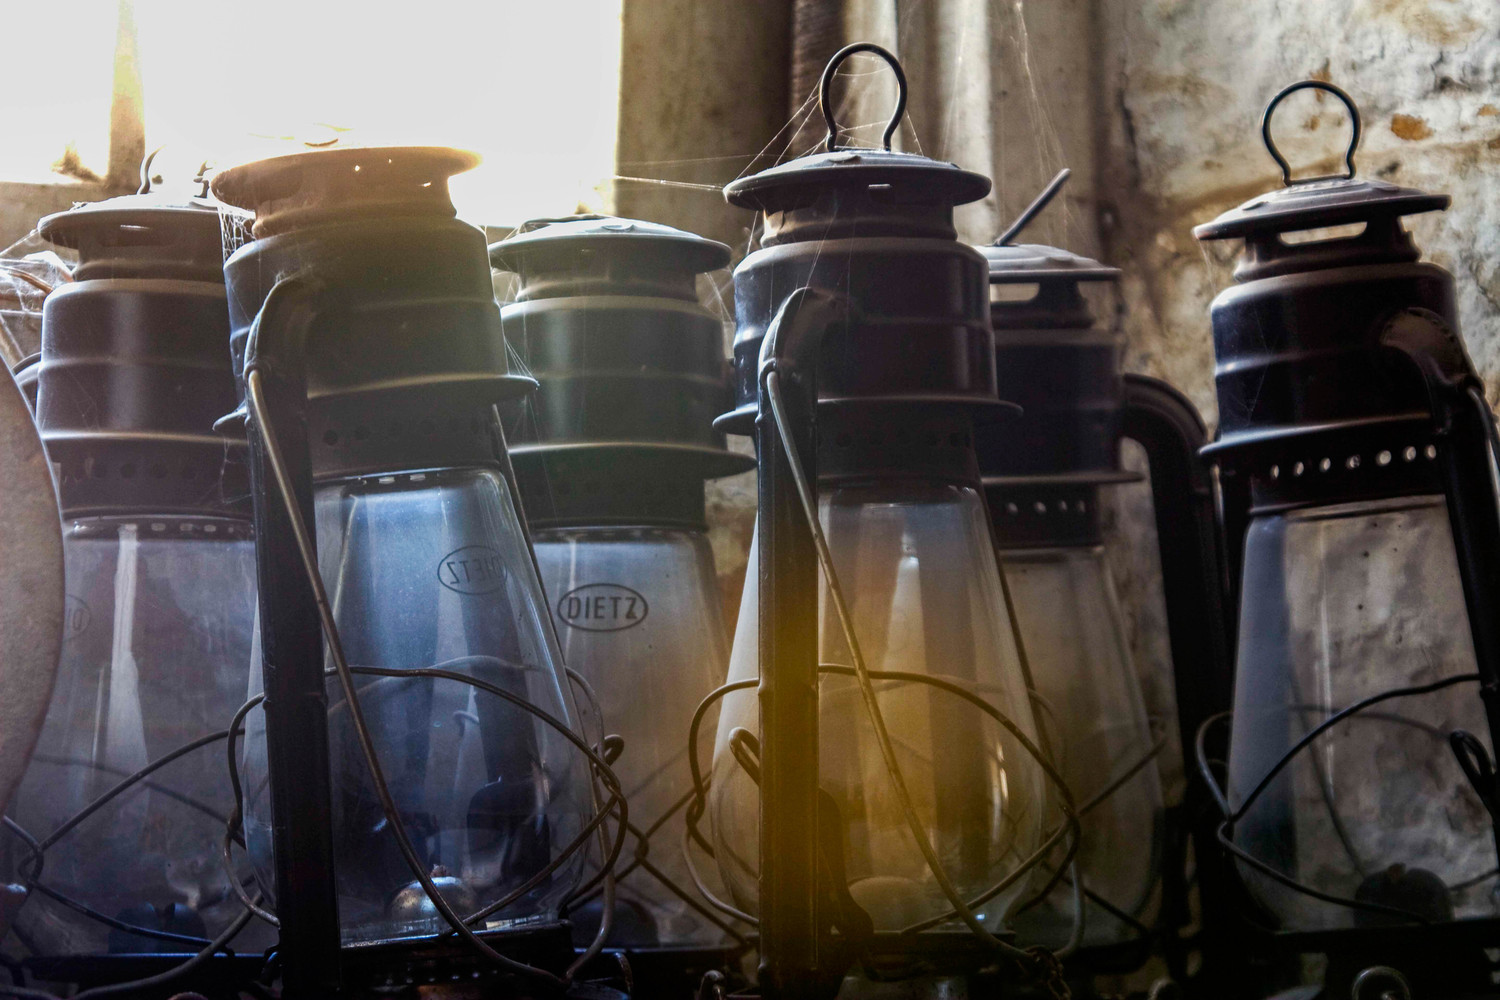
(30, 268)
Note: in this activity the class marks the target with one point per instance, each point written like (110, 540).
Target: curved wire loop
(145, 185)
(830, 143)
(1265, 128)
(950, 685)
(1036, 961)
(1233, 815)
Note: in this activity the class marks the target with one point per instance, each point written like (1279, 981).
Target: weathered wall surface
(1181, 90)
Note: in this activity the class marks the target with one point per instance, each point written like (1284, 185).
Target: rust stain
(1493, 143)
(1178, 85)
(1439, 22)
(1488, 111)
(1410, 127)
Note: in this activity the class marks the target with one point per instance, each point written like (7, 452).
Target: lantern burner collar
(324, 185)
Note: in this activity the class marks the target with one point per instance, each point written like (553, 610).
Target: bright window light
(59, 71)
(533, 87)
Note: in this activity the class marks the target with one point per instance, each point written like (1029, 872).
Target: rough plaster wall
(1183, 85)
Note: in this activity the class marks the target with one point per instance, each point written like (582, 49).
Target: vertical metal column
(791, 925)
(296, 710)
(1196, 596)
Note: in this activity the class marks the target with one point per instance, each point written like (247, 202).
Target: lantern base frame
(220, 973)
(671, 973)
(1443, 960)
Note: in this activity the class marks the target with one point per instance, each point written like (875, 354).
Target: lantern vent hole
(1322, 234)
(1023, 292)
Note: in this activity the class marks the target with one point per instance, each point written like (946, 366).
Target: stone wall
(1181, 90)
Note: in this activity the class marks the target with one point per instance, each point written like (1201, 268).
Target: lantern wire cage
(1469, 751)
(611, 804)
(1035, 961)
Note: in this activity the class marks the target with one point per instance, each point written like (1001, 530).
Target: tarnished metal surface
(31, 586)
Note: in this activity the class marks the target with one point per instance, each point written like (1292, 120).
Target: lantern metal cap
(542, 243)
(1318, 202)
(305, 188)
(631, 371)
(149, 234)
(908, 176)
(151, 215)
(861, 169)
(147, 214)
(1019, 263)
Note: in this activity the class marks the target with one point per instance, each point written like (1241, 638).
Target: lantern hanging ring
(831, 142)
(1354, 121)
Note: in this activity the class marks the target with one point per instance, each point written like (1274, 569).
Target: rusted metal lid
(1321, 201)
(323, 185)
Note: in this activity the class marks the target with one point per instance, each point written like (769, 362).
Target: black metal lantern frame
(1044, 475)
(127, 419)
(298, 620)
(620, 434)
(307, 959)
(1399, 411)
(807, 313)
(811, 931)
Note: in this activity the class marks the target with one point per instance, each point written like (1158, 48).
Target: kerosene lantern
(435, 797)
(1046, 473)
(611, 455)
(1356, 454)
(117, 825)
(888, 757)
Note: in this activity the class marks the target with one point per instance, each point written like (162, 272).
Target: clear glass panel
(638, 615)
(916, 561)
(1094, 718)
(430, 569)
(1340, 603)
(155, 654)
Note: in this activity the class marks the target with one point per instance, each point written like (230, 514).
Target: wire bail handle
(145, 185)
(1265, 129)
(831, 142)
